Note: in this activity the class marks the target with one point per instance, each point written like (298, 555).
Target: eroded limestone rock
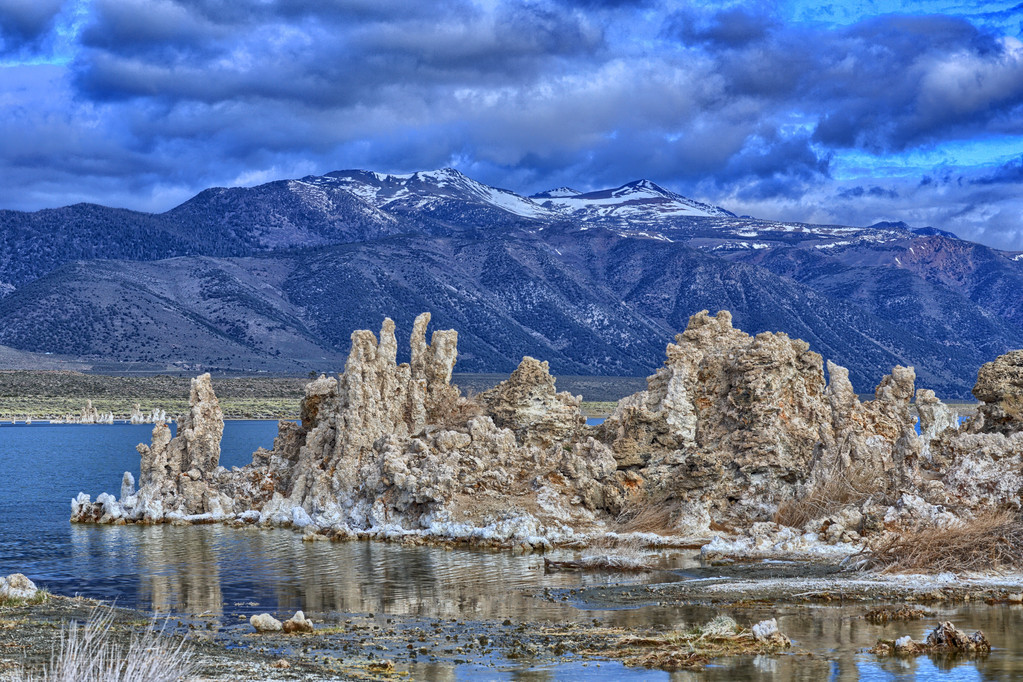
(981, 463)
(528, 404)
(733, 426)
(179, 476)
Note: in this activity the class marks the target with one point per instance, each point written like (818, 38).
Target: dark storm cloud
(860, 191)
(883, 84)
(24, 23)
(733, 104)
(731, 27)
(1009, 173)
(316, 55)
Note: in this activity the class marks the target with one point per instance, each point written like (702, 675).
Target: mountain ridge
(274, 278)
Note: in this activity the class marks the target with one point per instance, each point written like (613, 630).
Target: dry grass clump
(1012, 405)
(89, 653)
(454, 410)
(40, 597)
(838, 489)
(989, 542)
(652, 516)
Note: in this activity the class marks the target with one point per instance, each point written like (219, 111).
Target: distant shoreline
(43, 395)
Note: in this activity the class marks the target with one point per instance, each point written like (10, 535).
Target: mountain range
(274, 278)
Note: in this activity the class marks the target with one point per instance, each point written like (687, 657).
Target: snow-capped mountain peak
(424, 189)
(638, 201)
(557, 193)
(641, 201)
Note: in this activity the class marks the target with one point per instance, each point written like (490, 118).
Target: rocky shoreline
(740, 443)
(737, 610)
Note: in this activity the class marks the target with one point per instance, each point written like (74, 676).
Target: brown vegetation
(455, 410)
(838, 489)
(989, 541)
(1013, 406)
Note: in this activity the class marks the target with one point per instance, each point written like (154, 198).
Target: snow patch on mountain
(636, 202)
(639, 201)
(557, 193)
(429, 189)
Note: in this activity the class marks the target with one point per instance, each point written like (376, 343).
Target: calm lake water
(227, 573)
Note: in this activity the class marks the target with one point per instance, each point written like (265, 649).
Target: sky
(848, 113)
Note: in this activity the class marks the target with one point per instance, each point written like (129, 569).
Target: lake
(227, 573)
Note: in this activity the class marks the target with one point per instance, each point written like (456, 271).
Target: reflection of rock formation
(182, 571)
(729, 429)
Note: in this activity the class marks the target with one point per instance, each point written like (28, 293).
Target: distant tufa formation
(730, 431)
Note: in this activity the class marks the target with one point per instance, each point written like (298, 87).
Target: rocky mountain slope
(275, 277)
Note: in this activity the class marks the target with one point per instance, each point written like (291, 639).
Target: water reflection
(217, 570)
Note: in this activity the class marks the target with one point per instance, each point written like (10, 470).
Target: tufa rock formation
(387, 448)
(264, 622)
(298, 623)
(999, 388)
(734, 431)
(17, 586)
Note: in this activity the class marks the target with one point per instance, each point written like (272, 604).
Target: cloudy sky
(851, 112)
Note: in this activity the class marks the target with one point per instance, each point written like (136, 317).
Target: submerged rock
(945, 638)
(767, 631)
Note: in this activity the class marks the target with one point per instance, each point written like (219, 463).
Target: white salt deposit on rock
(264, 622)
(298, 623)
(731, 428)
(17, 586)
(767, 631)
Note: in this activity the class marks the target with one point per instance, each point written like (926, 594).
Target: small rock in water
(948, 637)
(264, 622)
(767, 631)
(17, 586)
(298, 623)
(945, 638)
(280, 664)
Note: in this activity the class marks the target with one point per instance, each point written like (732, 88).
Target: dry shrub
(838, 489)
(649, 517)
(1012, 405)
(89, 653)
(990, 541)
(454, 410)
